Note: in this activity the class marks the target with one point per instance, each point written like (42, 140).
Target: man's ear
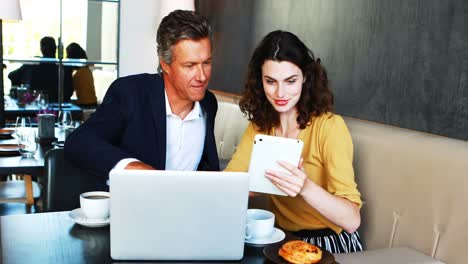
(164, 66)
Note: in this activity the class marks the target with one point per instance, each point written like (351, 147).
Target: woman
(83, 81)
(287, 94)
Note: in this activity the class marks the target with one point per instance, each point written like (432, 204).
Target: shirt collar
(196, 112)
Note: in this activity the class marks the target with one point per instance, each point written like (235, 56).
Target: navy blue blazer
(131, 123)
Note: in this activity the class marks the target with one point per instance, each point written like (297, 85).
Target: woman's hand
(291, 183)
(338, 210)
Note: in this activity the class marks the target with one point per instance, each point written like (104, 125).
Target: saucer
(79, 218)
(277, 236)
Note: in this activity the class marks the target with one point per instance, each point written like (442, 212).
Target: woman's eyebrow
(287, 78)
(292, 76)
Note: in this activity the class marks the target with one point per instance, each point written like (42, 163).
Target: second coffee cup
(260, 224)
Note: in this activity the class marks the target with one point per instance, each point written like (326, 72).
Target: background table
(32, 168)
(20, 165)
(55, 238)
(13, 110)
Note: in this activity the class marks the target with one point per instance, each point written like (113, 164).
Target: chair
(25, 190)
(64, 182)
(87, 112)
(19, 196)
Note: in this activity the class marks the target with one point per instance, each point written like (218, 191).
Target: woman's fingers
(300, 163)
(292, 188)
(293, 179)
(291, 183)
(286, 190)
(291, 168)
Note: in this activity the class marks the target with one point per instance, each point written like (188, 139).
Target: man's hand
(254, 194)
(138, 165)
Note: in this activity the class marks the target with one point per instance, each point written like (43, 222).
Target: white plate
(277, 236)
(79, 218)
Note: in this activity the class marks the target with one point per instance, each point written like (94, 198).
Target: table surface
(55, 238)
(20, 165)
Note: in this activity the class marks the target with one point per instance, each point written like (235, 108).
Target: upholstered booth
(413, 185)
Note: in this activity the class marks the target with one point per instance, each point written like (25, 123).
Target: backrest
(230, 124)
(414, 186)
(65, 182)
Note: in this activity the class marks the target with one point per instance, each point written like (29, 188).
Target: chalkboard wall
(399, 62)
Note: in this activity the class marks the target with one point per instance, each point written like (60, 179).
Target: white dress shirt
(185, 139)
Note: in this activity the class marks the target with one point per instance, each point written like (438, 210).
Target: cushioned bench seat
(413, 185)
(400, 255)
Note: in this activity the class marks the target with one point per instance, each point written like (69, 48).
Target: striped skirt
(331, 241)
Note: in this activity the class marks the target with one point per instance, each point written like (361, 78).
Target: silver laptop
(175, 215)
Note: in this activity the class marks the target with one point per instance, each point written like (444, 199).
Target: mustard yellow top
(328, 158)
(83, 84)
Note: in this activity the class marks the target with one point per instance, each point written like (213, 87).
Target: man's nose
(201, 74)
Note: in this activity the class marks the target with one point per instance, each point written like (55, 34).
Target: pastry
(300, 252)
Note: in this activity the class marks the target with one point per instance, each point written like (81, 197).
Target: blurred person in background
(44, 76)
(82, 77)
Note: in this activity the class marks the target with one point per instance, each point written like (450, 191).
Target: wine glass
(23, 125)
(42, 100)
(65, 120)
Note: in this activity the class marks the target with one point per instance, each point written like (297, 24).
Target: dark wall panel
(400, 62)
(232, 25)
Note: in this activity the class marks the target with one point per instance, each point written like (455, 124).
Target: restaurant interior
(398, 71)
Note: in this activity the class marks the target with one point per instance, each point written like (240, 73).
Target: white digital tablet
(267, 150)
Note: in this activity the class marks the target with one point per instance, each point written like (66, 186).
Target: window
(93, 24)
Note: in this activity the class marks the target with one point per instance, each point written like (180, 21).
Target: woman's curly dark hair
(316, 97)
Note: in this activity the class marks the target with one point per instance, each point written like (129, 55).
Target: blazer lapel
(159, 119)
(209, 156)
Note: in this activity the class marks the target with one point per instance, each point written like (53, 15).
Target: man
(44, 76)
(156, 121)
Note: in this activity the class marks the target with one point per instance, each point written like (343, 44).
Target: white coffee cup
(95, 205)
(260, 224)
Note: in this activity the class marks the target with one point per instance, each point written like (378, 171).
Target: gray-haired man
(156, 121)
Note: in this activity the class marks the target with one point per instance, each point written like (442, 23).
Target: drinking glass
(65, 120)
(23, 125)
(27, 144)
